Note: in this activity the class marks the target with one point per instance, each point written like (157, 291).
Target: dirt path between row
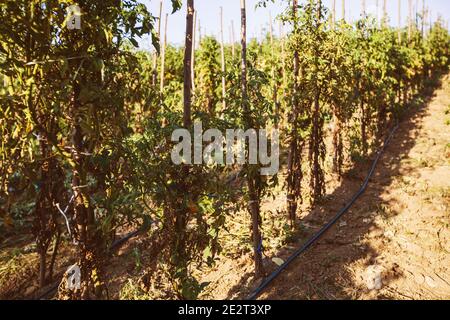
(394, 243)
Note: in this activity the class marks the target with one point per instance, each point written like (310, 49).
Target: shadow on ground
(323, 272)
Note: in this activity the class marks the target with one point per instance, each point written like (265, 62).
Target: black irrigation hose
(257, 292)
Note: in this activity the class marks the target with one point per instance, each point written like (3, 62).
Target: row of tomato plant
(86, 131)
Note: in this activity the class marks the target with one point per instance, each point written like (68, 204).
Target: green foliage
(57, 85)
(208, 75)
(176, 5)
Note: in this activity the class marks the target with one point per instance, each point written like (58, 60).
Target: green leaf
(176, 5)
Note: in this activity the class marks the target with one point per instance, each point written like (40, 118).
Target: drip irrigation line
(257, 292)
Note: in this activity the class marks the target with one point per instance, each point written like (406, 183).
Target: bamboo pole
(261, 29)
(275, 88)
(155, 54)
(416, 14)
(378, 12)
(233, 40)
(283, 62)
(193, 51)
(294, 156)
(350, 19)
(423, 19)
(385, 14)
(271, 34)
(399, 21)
(431, 20)
(343, 10)
(187, 83)
(254, 199)
(333, 17)
(409, 19)
(163, 54)
(222, 52)
(199, 33)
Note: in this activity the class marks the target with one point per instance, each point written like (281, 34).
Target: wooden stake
(199, 33)
(155, 55)
(399, 21)
(409, 19)
(283, 62)
(416, 14)
(222, 51)
(254, 201)
(271, 33)
(423, 18)
(187, 83)
(431, 20)
(343, 10)
(350, 19)
(294, 156)
(233, 40)
(333, 17)
(193, 52)
(378, 12)
(163, 55)
(275, 88)
(261, 29)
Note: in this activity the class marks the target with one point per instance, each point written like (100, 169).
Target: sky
(208, 15)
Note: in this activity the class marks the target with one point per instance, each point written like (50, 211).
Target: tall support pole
(261, 29)
(399, 21)
(333, 15)
(416, 14)
(283, 55)
(222, 51)
(163, 54)
(378, 13)
(243, 54)
(254, 206)
(431, 20)
(187, 83)
(233, 40)
(193, 51)
(409, 19)
(294, 170)
(274, 63)
(199, 33)
(343, 10)
(155, 55)
(423, 18)
(271, 35)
